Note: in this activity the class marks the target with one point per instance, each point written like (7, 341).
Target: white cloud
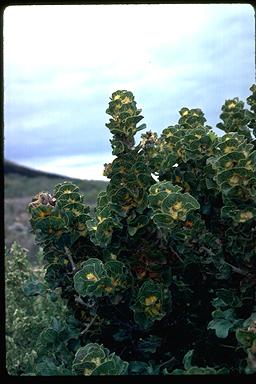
(77, 166)
(62, 62)
(40, 38)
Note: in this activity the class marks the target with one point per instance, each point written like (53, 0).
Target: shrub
(163, 269)
(31, 310)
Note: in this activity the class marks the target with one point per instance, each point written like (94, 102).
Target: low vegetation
(28, 317)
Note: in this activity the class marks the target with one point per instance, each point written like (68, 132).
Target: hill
(21, 181)
(14, 168)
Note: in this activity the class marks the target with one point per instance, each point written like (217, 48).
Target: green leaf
(87, 280)
(245, 337)
(164, 186)
(48, 336)
(65, 188)
(46, 367)
(137, 224)
(94, 359)
(142, 126)
(163, 220)
(149, 344)
(32, 287)
(187, 359)
(221, 327)
(200, 371)
(98, 279)
(55, 274)
(138, 368)
(228, 297)
(148, 305)
(223, 322)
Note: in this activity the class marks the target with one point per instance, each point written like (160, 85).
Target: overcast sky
(63, 62)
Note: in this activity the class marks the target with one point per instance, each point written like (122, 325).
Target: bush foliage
(32, 309)
(161, 279)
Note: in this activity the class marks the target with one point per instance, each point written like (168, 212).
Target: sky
(63, 62)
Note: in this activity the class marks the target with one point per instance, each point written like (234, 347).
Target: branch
(89, 325)
(79, 300)
(238, 270)
(68, 253)
(227, 346)
(233, 267)
(210, 253)
(177, 255)
(167, 362)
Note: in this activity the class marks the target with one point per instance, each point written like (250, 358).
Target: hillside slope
(11, 167)
(20, 181)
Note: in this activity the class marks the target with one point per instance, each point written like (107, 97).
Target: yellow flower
(130, 111)
(234, 180)
(96, 361)
(229, 149)
(150, 300)
(153, 305)
(101, 219)
(181, 153)
(249, 165)
(43, 214)
(246, 153)
(186, 186)
(71, 201)
(231, 105)
(177, 206)
(117, 106)
(175, 209)
(81, 227)
(115, 282)
(87, 371)
(153, 310)
(122, 170)
(75, 212)
(90, 276)
(244, 216)
(174, 214)
(126, 100)
(108, 232)
(229, 164)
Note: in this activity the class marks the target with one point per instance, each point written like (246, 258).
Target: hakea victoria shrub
(161, 269)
